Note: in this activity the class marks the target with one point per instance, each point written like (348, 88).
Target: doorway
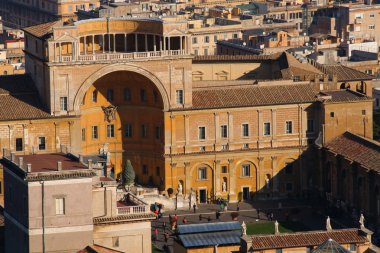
(245, 193)
(203, 196)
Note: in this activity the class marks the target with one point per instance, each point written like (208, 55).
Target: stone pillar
(93, 44)
(169, 44)
(154, 43)
(217, 181)
(84, 45)
(125, 42)
(25, 137)
(109, 42)
(261, 168)
(136, 43)
(55, 51)
(173, 133)
(217, 128)
(103, 43)
(230, 127)
(232, 170)
(160, 43)
(114, 43)
(164, 43)
(274, 174)
(56, 135)
(180, 43)
(173, 185)
(274, 126)
(60, 51)
(146, 42)
(259, 127)
(188, 177)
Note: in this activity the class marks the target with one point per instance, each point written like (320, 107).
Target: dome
(330, 246)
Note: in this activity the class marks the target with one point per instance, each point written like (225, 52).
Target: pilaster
(217, 178)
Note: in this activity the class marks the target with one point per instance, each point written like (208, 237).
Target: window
(202, 133)
(110, 95)
(144, 131)
(289, 187)
(235, 36)
(278, 250)
(158, 171)
(145, 169)
(143, 95)
(110, 131)
(127, 94)
(267, 128)
(289, 127)
(371, 27)
(179, 97)
(63, 103)
(245, 130)
(195, 41)
(363, 112)
(59, 206)
(202, 173)
(95, 96)
(224, 169)
(245, 145)
(202, 149)
(115, 241)
(246, 170)
(158, 132)
(19, 146)
(224, 131)
(83, 134)
(372, 15)
(215, 38)
(332, 114)
(94, 132)
(352, 247)
(206, 51)
(41, 143)
(310, 126)
(296, 78)
(128, 130)
(207, 39)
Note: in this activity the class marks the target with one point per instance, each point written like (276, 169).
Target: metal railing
(119, 56)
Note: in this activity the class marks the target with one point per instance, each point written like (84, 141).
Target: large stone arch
(120, 67)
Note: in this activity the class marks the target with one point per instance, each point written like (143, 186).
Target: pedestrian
(238, 207)
(221, 206)
(209, 219)
(166, 236)
(194, 208)
(271, 216)
(175, 217)
(164, 225)
(184, 220)
(200, 217)
(217, 215)
(258, 214)
(155, 234)
(170, 218)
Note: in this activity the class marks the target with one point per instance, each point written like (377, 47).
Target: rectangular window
(202, 173)
(127, 94)
(110, 131)
(371, 15)
(352, 247)
(179, 97)
(94, 132)
(224, 131)
(41, 143)
(207, 39)
(143, 95)
(206, 51)
(202, 133)
(19, 146)
(267, 128)
(110, 95)
(95, 96)
(115, 241)
(195, 52)
(194, 40)
(289, 127)
(371, 27)
(215, 38)
(83, 134)
(143, 131)
(332, 114)
(310, 126)
(59, 206)
(245, 130)
(278, 250)
(158, 132)
(224, 169)
(145, 169)
(63, 103)
(235, 36)
(246, 170)
(128, 130)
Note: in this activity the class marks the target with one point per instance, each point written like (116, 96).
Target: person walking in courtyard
(184, 220)
(238, 207)
(200, 217)
(217, 214)
(194, 208)
(166, 236)
(155, 234)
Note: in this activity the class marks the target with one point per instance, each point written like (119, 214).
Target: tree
(129, 174)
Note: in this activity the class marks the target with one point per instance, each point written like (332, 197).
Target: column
(85, 45)
(125, 42)
(60, 51)
(172, 166)
(187, 131)
(93, 44)
(164, 43)
(109, 42)
(136, 44)
(259, 171)
(217, 128)
(55, 51)
(25, 137)
(188, 177)
(146, 42)
(274, 126)
(103, 43)
(217, 178)
(173, 127)
(169, 44)
(232, 185)
(72, 51)
(11, 146)
(56, 129)
(180, 44)
(160, 43)
(230, 126)
(114, 43)
(274, 174)
(154, 43)
(259, 127)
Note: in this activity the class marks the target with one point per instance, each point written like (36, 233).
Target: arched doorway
(122, 115)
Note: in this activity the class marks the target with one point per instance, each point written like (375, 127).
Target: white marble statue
(361, 221)
(244, 228)
(267, 183)
(328, 224)
(224, 186)
(276, 230)
(180, 189)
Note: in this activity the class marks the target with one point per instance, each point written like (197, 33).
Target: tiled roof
(312, 238)
(253, 96)
(234, 58)
(19, 99)
(344, 73)
(364, 151)
(124, 218)
(342, 96)
(98, 249)
(290, 67)
(41, 30)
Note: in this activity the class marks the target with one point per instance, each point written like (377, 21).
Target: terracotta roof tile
(123, 218)
(253, 96)
(19, 99)
(234, 58)
(41, 30)
(364, 151)
(344, 73)
(312, 238)
(343, 96)
(98, 249)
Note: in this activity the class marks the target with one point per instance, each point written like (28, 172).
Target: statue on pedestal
(180, 188)
(224, 186)
(244, 228)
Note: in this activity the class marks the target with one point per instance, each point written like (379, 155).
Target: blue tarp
(207, 239)
(208, 227)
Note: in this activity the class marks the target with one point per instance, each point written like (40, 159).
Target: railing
(119, 56)
(131, 210)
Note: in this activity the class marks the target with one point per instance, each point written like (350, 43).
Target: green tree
(129, 174)
(376, 124)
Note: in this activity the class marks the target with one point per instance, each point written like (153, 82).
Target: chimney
(20, 161)
(29, 167)
(13, 157)
(59, 165)
(81, 158)
(90, 164)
